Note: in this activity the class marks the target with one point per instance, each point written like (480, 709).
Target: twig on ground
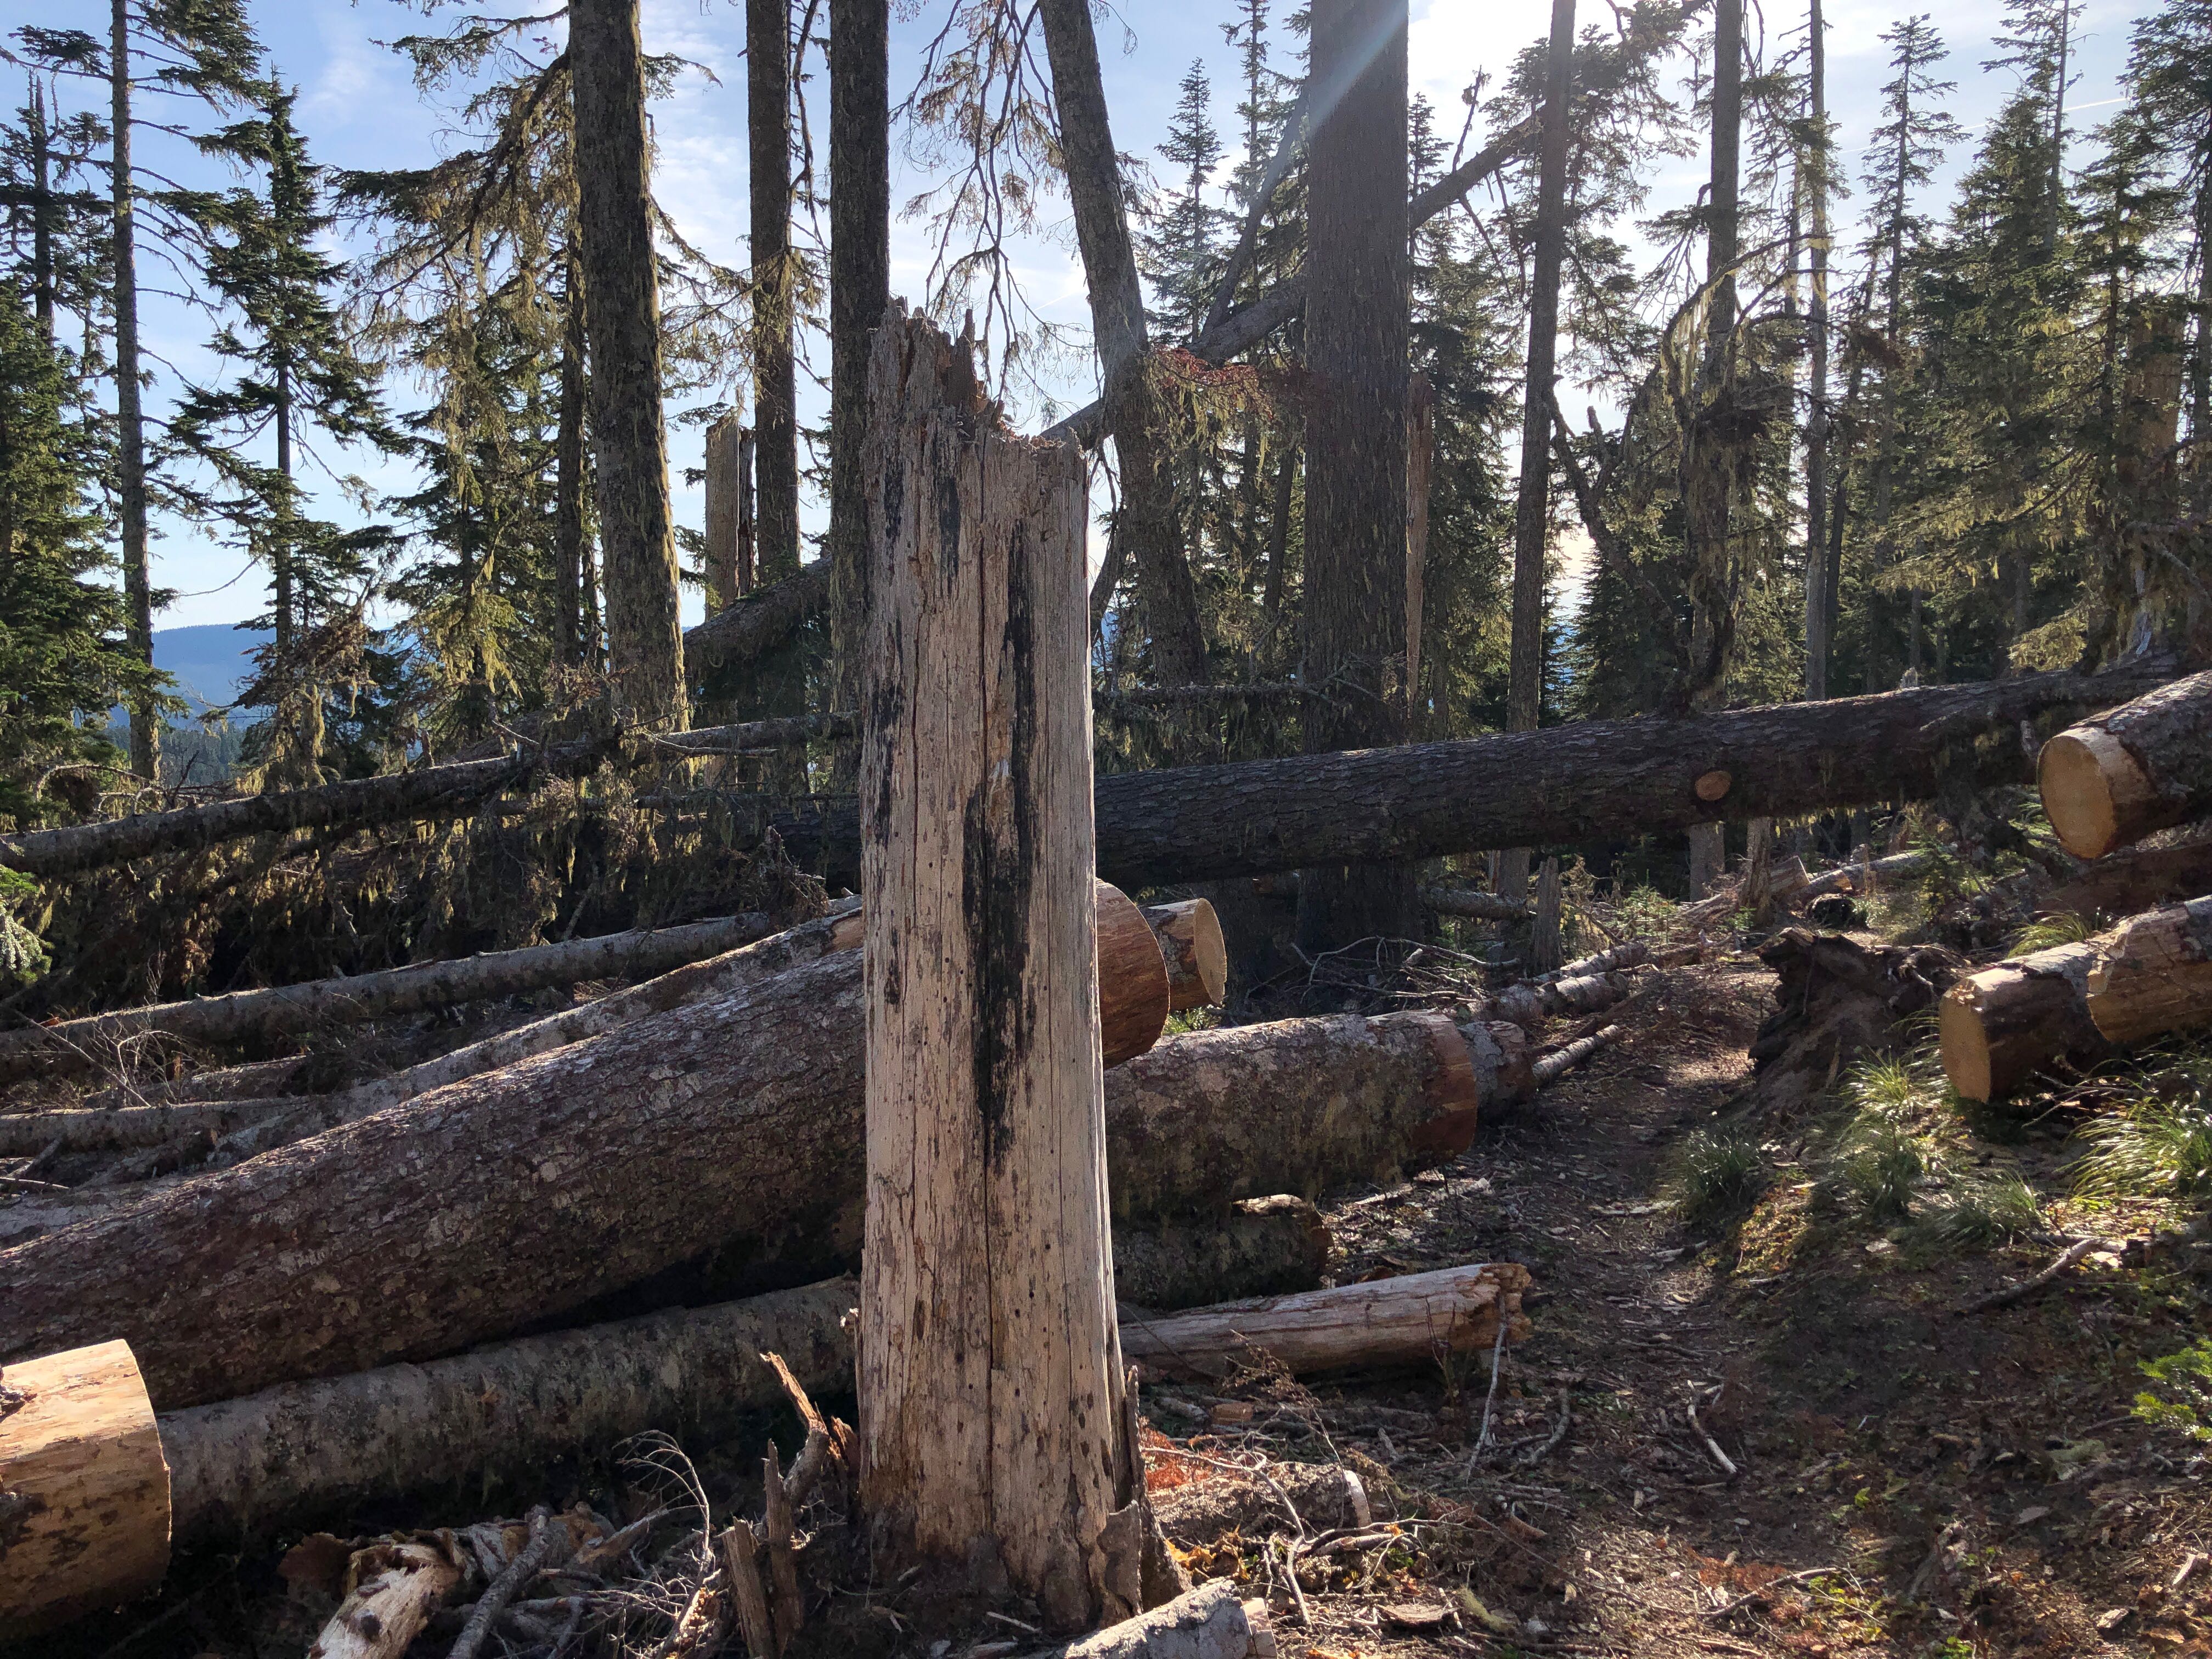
(1536, 1455)
(1711, 1444)
(2011, 1293)
(1490, 1402)
(1727, 1607)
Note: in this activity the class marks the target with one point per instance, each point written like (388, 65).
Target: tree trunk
(1421, 466)
(570, 648)
(990, 1386)
(725, 486)
(2114, 779)
(859, 291)
(279, 1010)
(2126, 883)
(1590, 779)
(1356, 344)
(1263, 1247)
(1472, 904)
(1133, 408)
(86, 1511)
(645, 649)
(774, 276)
(1408, 1320)
(734, 1129)
(130, 418)
(1532, 505)
(1817, 632)
(2000, 1026)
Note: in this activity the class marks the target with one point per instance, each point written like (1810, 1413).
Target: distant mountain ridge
(211, 661)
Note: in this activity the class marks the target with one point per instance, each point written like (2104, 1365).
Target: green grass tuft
(1988, 1213)
(2049, 928)
(1717, 1173)
(2154, 1147)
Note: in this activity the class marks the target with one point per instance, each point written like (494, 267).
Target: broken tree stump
(2111, 780)
(987, 1278)
(1409, 1320)
(84, 1491)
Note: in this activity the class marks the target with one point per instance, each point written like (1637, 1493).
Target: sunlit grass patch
(1717, 1173)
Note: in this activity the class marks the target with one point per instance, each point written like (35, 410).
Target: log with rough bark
(1561, 1061)
(1530, 1004)
(1132, 1018)
(2154, 974)
(758, 623)
(1197, 957)
(2112, 780)
(733, 1129)
(2001, 1026)
(1498, 1050)
(1385, 1321)
(1629, 953)
(278, 1010)
(84, 1492)
(1262, 1246)
(1862, 878)
(1472, 904)
(2126, 883)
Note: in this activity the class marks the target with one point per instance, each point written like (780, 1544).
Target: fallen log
(1549, 1068)
(758, 623)
(2153, 974)
(1385, 1321)
(1197, 957)
(1471, 902)
(1532, 1002)
(1861, 878)
(1262, 1246)
(84, 1495)
(1630, 953)
(277, 1010)
(392, 1588)
(122, 1128)
(1498, 1050)
(731, 1129)
(1135, 1006)
(2003, 1024)
(2125, 883)
(2113, 779)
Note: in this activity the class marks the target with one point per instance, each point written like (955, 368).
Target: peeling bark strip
(990, 1382)
(2112, 780)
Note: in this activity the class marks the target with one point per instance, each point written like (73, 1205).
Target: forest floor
(1908, 1478)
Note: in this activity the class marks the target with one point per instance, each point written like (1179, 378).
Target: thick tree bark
(1999, 1027)
(987, 1284)
(1133, 414)
(759, 623)
(2154, 974)
(2114, 779)
(130, 416)
(570, 648)
(859, 291)
(725, 575)
(1263, 1247)
(1472, 904)
(1357, 342)
(85, 1516)
(775, 276)
(734, 1128)
(1408, 1320)
(2126, 883)
(645, 649)
(79, 1044)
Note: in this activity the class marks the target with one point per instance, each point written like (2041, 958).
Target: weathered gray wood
(987, 1278)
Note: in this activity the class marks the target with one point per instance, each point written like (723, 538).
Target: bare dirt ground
(1900, 1476)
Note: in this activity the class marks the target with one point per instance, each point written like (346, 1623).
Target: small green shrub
(2185, 1402)
(1717, 1173)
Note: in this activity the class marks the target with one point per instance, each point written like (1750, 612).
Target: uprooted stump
(1840, 999)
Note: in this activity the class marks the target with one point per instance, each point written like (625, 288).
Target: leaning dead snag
(1384, 1322)
(986, 1278)
(2112, 780)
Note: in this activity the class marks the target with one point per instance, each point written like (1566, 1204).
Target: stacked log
(734, 1129)
(2110, 781)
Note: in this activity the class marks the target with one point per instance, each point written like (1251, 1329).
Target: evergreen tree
(65, 656)
(1179, 252)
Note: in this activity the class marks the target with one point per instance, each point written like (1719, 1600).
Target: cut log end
(84, 1490)
(2093, 792)
(1965, 1044)
(1133, 995)
(1197, 957)
(1713, 786)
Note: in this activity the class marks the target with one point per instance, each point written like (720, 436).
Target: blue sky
(360, 109)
